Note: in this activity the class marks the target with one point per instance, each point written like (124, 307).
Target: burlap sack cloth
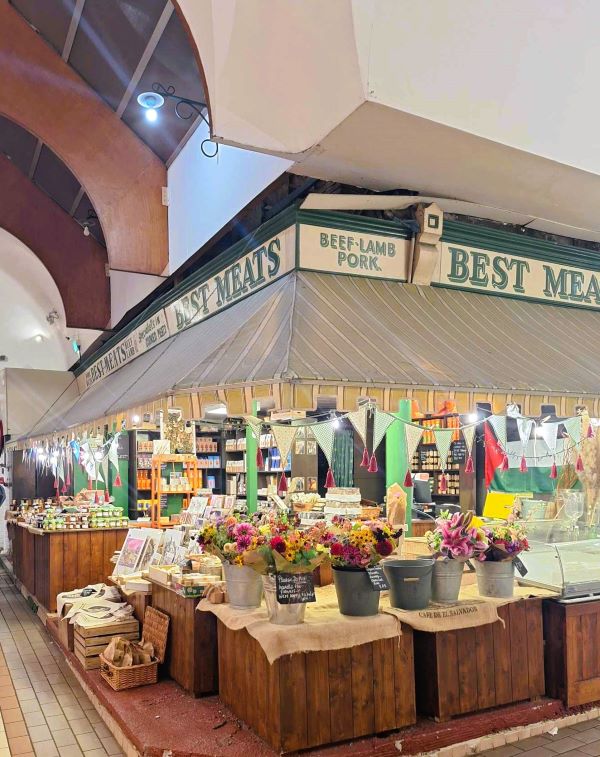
(326, 628)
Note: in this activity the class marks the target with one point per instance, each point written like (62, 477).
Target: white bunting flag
(549, 433)
(468, 433)
(524, 427)
(380, 426)
(443, 440)
(324, 433)
(358, 418)
(498, 423)
(573, 426)
(284, 436)
(255, 425)
(413, 435)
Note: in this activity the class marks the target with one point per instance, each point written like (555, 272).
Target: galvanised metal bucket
(495, 579)
(410, 582)
(244, 586)
(446, 579)
(281, 615)
(355, 592)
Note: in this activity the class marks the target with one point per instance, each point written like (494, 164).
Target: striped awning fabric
(334, 328)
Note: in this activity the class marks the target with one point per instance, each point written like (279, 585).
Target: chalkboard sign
(520, 567)
(377, 578)
(294, 588)
(163, 503)
(123, 446)
(458, 452)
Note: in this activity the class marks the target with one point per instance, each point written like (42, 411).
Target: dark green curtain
(343, 458)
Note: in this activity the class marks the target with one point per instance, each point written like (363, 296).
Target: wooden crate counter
(470, 669)
(572, 651)
(50, 562)
(191, 655)
(330, 679)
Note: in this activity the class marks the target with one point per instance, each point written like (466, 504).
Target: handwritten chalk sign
(520, 566)
(377, 578)
(458, 452)
(295, 588)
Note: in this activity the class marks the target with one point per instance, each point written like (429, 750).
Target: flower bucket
(495, 579)
(281, 615)
(410, 582)
(446, 579)
(244, 586)
(355, 592)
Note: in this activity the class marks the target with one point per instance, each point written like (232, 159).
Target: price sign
(377, 578)
(294, 588)
(520, 566)
(458, 451)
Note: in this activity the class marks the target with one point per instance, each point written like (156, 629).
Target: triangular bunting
(380, 425)
(324, 433)
(284, 436)
(573, 426)
(549, 433)
(498, 423)
(358, 418)
(443, 440)
(468, 433)
(524, 426)
(413, 435)
(113, 453)
(255, 426)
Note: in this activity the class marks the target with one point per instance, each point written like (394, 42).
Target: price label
(458, 451)
(520, 566)
(294, 588)
(377, 578)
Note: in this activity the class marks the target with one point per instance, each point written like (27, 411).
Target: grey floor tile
(64, 738)
(593, 748)
(560, 746)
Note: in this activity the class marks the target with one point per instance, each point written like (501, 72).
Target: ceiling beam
(76, 201)
(35, 158)
(146, 55)
(185, 138)
(72, 31)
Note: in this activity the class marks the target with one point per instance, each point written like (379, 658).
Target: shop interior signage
(517, 276)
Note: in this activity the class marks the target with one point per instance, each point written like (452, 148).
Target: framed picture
(311, 484)
(297, 484)
(300, 447)
(311, 447)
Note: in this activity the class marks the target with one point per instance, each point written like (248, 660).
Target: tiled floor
(580, 740)
(43, 709)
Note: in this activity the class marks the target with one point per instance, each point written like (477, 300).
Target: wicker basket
(156, 627)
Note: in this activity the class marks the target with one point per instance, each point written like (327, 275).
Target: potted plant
(285, 549)
(453, 541)
(231, 539)
(354, 547)
(496, 571)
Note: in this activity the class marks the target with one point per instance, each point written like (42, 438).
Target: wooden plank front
(363, 706)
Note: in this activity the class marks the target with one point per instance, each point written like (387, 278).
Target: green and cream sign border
(509, 275)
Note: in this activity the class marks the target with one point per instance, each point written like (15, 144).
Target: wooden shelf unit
(190, 468)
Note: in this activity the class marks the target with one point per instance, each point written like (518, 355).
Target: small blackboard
(295, 588)
(520, 567)
(377, 578)
(458, 452)
(164, 502)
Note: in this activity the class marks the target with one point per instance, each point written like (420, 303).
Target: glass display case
(570, 568)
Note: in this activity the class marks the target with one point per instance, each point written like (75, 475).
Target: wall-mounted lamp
(185, 108)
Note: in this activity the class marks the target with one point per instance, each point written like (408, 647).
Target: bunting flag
(468, 433)
(549, 433)
(412, 436)
(75, 447)
(524, 426)
(113, 458)
(443, 440)
(358, 418)
(324, 433)
(380, 426)
(573, 426)
(255, 426)
(498, 423)
(284, 436)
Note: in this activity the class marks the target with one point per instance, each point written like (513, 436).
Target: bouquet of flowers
(231, 539)
(360, 545)
(454, 537)
(285, 548)
(505, 542)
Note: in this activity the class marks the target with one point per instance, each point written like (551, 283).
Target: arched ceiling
(120, 48)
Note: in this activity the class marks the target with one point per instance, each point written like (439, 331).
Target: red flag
(494, 454)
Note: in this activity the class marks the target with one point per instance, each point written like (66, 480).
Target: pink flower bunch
(454, 537)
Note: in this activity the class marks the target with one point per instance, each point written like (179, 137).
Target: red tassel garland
(469, 466)
(96, 498)
(364, 463)
(260, 462)
(106, 497)
(56, 483)
(283, 484)
(553, 471)
(68, 481)
(590, 432)
(329, 480)
(504, 466)
(64, 489)
(579, 464)
(408, 482)
(373, 467)
(117, 481)
(523, 466)
(443, 483)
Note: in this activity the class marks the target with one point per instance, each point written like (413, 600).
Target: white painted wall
(127, 289)
(205, 193)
